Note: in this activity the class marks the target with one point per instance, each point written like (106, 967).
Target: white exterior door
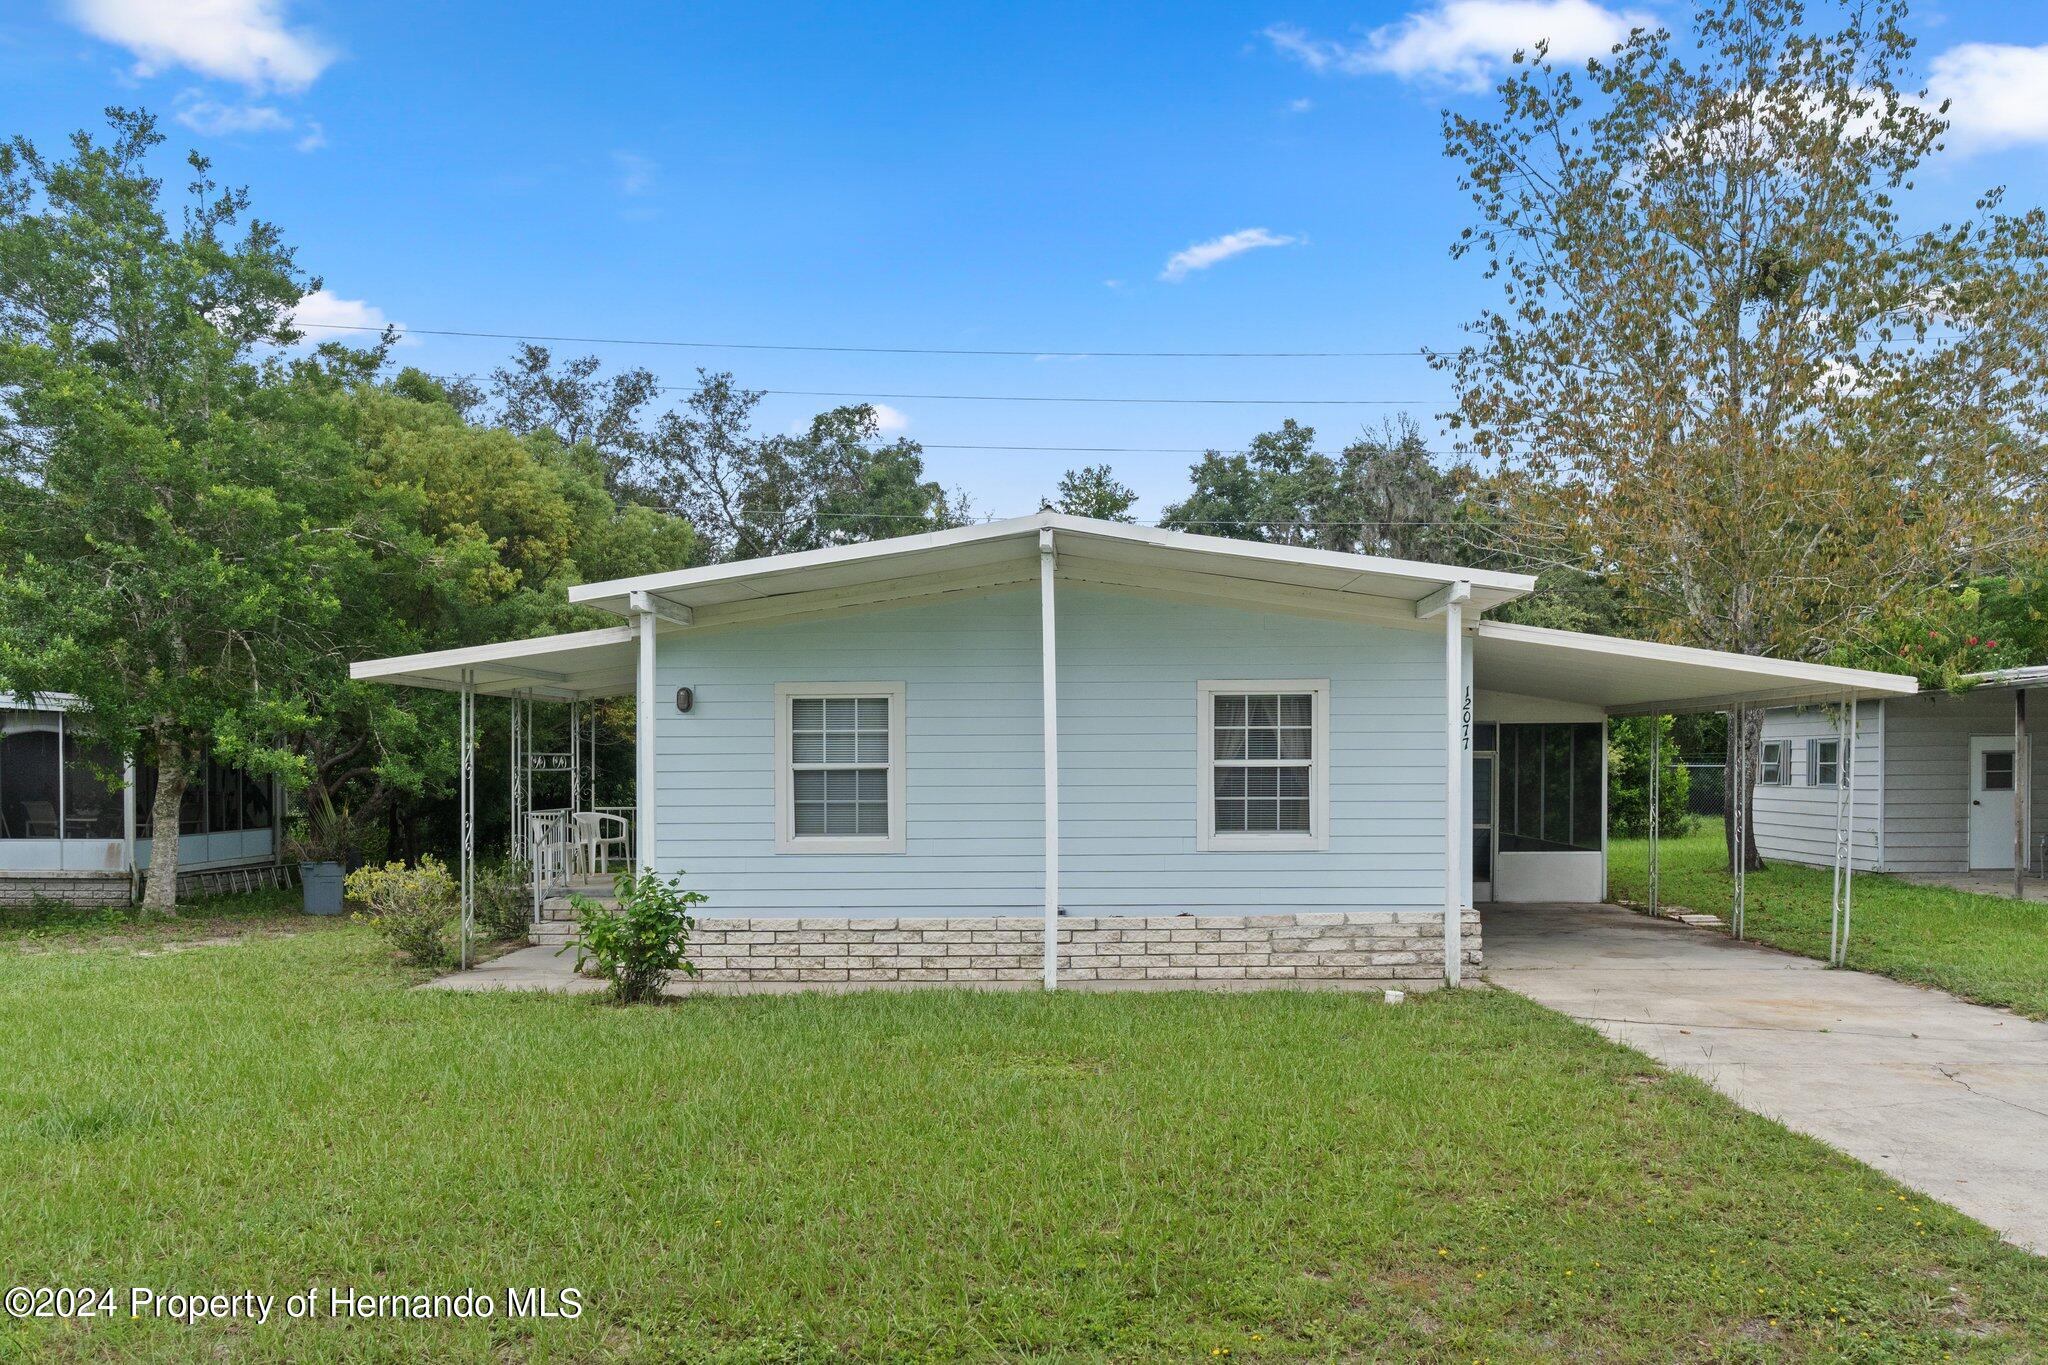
(1991, 783)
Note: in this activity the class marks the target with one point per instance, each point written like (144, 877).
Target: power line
(1120, 450)
(1414, 354)
(1069, 398)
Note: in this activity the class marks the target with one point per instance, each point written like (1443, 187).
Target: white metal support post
(515, 764)
(1738, 742)
(1847, 774)
(1450, 600)
(466, 784)
(643, 735)
(2022, 790)
(1656, 797)
(575, 757)
(1048, 650)
(1844, 817)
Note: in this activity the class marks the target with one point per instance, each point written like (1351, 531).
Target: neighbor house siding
(1927, 802)
(1795, 822)
(974, 821)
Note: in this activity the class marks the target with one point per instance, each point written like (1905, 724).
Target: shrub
(504, 900)
(639, 945)
(1628, 780)
(409, 906)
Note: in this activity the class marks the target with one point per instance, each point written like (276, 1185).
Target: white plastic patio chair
(597, 835)
(41, 818)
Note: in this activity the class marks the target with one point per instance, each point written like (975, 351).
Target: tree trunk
(1741, 786)
(160, 891)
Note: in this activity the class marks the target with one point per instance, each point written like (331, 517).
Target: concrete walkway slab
(537, 968)
(1947, 1097)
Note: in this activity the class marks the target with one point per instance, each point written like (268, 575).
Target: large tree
(570, 400)
(748, 494)
(1094, 492)
(1381, 495)
(174, 514)
(1771, 409)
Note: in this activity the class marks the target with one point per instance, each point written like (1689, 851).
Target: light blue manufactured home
(1096, 754)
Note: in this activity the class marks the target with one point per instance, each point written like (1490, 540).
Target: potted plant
(321, 840)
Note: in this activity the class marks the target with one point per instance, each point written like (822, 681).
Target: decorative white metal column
(575, 757)
(1048, 657)
(1845, 777)
(1738, 743)
(2022, 791)
(1844, 833)
(515, 779)
(1656, 796)
(466, 802)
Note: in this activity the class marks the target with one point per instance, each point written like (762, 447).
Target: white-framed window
(1823, 762)
(839, 767)
(1773, 766)
(1264, 750)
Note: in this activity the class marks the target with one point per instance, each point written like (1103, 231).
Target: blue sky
(884, 174)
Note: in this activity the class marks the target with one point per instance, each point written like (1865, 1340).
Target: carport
(1542, 700)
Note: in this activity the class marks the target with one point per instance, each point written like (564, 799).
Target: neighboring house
(1934, 783)
(68, 833)
(1265, 764)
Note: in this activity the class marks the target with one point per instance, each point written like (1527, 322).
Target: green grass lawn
(1985, 948)
(931, 1176)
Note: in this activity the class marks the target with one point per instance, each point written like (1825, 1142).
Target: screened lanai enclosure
(75, 820)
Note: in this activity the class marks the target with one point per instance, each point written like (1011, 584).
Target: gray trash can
(320, 888)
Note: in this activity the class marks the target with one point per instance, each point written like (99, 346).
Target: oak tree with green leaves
(1773, 408)
(171, 521)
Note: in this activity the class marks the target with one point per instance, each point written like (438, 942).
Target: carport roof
(1636, 677)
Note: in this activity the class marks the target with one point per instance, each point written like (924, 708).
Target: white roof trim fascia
(1802, 680)
(746, 572)
(522, 658)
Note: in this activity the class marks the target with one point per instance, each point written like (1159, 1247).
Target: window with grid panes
(839, 767)
(1264, 762)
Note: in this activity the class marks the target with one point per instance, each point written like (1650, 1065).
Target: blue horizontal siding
(974, 823)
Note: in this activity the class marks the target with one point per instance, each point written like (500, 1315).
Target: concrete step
(551, 934)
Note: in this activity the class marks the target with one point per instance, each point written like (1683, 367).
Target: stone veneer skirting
(1336, 951)
(73, 888)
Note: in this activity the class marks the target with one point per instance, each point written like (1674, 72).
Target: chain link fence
(1709, 792)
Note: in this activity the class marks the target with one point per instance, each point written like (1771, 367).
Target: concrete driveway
(1949, 1098)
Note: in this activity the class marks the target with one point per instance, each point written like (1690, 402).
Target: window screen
(1823, 765)
(1264, 756)
(839, 767)
(1773, 774)
(1549, 788)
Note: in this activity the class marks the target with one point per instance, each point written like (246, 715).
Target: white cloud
(889, 420)
(246, 41)
(1300, 106)
(215, 119)
(1997, 92)
(329, 317)
(636, 173)
(1463, 42)
(1202, 255)
(313, 139)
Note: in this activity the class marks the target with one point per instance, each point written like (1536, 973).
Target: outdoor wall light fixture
(686, 697)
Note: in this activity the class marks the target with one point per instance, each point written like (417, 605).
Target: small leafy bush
(639, 945)
(409, 906)
(504, 900)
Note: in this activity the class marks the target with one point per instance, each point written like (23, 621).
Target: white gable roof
(1107, 551)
